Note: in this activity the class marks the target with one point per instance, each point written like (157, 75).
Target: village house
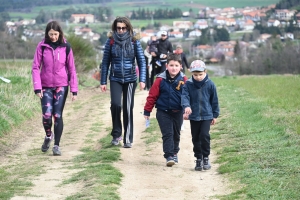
(203, 51)
(201, 24)
(195, 33)
(83, 18)
(183, 25)
(284, 14)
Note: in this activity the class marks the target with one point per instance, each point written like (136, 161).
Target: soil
(143, 166)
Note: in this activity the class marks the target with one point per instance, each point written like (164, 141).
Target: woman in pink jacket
(53, 71)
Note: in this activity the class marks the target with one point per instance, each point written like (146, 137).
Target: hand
(153, 54)
(74, 97)
(142, 85)
(185, 116)
(103, 88)
(187, 111)
(40, 95)
(213, 121)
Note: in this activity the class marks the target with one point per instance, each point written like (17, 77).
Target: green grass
(17, 99)
(95, 165)
(99, 177)
(257, 137)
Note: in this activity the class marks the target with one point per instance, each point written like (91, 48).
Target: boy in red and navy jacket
(165, 94)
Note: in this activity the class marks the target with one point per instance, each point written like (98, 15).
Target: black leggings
(53, 103)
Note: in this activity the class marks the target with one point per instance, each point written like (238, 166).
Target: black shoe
(127, 145)
(116, 141)
(206, 163)
(47, 142)
(170, 161)
(199, 165)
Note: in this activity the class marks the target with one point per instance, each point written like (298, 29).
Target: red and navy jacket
(165, 93)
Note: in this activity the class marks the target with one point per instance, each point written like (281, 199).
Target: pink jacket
(54, 70)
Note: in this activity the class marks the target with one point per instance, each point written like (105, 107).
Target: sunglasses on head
(121, 28)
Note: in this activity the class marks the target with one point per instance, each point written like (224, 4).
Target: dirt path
(145, 173)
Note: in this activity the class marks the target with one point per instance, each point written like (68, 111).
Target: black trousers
(170, 124)
(201, 138)
(154, 72)
(125, 91)
(163, 66)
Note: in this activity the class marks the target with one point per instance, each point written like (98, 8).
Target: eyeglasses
(122, 28)
(163, 35)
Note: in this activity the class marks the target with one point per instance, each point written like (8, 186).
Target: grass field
(256, 138)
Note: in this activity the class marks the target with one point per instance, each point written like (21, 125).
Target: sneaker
(206, 163)
(175, 157)
(56, 151)
(116, 141)
(199, 165)
(47, 142)
(170, 161)
(158, 63)
(127, 145)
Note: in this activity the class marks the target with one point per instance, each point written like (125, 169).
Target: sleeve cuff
(37, 91)
(146, 113)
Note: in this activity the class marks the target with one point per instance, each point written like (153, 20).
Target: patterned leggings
(53, 103)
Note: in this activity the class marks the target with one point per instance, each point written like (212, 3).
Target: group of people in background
(161, 70)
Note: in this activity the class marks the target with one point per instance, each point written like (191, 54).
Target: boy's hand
(187, 110)
(185, 116)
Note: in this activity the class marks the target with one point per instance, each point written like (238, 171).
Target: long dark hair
(124, 20)
(56, 27)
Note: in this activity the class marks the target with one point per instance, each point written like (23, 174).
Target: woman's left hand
(142, 85)
(74, 97)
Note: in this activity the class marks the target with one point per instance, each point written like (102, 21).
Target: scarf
(54, 45)
(199, 84)
(123, 44)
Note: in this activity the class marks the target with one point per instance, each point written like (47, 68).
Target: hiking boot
(56, 151)
(170, 161)
(116, 141)
(47, 142)
(199, 165)
(175, 157)
(127, 145)
(206, 163)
